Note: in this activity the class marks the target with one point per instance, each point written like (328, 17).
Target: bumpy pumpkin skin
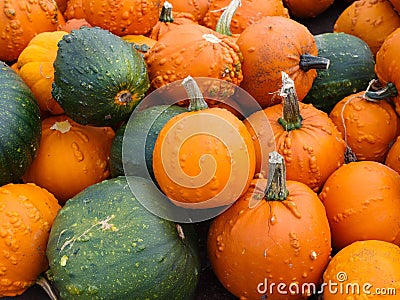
(71, 157)
(74, 10)
(362, 201)
(199, 52)
(162, 27)
(26, 216)
(370, 20)
(35, 66)
(269, 47)
(387, 66)
(307, 9)
(248, 13)
(198, 8)
(278, 241)
(20, 21)
(370, 127)
(122, 17)
(372, 262)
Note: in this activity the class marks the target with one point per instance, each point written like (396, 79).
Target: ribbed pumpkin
(71, 157)
(21, 21)
(273, 45)
(26, 216)
(35, 66)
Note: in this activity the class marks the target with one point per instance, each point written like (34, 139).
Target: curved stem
(225, 20)
(387, 92)
(308, 62)
(166, 13)
(291, 119)
(196, 99)
(276, 189)
(45, 285)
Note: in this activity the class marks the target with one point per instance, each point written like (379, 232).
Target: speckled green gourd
(105, 245)
(98, 77)
(20, 125)
(351, 69)
(150, 121)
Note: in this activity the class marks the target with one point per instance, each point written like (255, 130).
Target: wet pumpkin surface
(209, 286)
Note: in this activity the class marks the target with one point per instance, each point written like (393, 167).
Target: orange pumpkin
(199, 52)
(301, 133)
(203, 158)
(363, 270)
(70, 157)
(197, 8)
(392, 159)
(122, 17)
(274, 234)
(368, 127)
(370, 20)
(168, 20)
(140, 42)
(20, 22)
(35, 66)
(273, 45)
(362, 201)
(62, 5)
(74, 10)
(26, 216)
(248, 13)
(73, 23)
(307, 9)
(396, 4)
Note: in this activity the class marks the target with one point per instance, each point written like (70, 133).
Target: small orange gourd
(26, 216)
(203, 158)
(277, 233)
(362, 201)
(35, 66)
(71, 157)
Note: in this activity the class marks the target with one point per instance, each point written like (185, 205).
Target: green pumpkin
(20, 125)
(351, 69)
(98, 77)
(105, 245)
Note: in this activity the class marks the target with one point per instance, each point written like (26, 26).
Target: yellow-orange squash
(272, 235)
(26, 216)
(71, 157)
(368, 127)
(363, 270)
(370, 20)
(362, 201)
(20, 21)
(35, 66)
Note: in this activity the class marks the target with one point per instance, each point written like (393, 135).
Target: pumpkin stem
(308, 62)
(45, 285)
(291, 119)
(276, 189)
(166, 13)
(196, 99)
(384, 93)
(224, 22)
(349, 155)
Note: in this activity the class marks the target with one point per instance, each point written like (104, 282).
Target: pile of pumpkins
(113, 114)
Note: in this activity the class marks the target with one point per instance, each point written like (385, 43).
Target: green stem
(166, 13)
(385, 93)
(225, 20)
(291, 119)
(308, 62)
(196, 99)
(276, 189)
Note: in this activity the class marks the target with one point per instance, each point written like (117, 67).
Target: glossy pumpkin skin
(269, 47)
(18, 25)
(105, 244)
(248, 13)
(20, 129)
(71, 157)
(198, 8)
(201, 136)
(199, 52)
(372, 262)
(370, 20)
(107, 90)
(307, 9)
(27, 214)
(35, 66)
(281, 241)
(122, 17)
(368, 127)
(362, 201)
